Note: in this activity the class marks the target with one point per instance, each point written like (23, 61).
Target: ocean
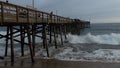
(105, 33)
(100, 42)
(103, 28)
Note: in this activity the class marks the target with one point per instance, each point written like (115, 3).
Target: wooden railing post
(17, 14)
(54, 20)
(42, 17)
(47, 18)
(27, 15)
(36, 16)
(2, 12)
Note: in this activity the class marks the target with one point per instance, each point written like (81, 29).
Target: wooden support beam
(61, 33)
(50, 33)
(38, 31)
(57, 31)
(45, 39)
(7, 36)
(11, 42)
(65, 31)
(43, 35)
(22, 40)
(15, 32)
(30, 43)
(54, 30)
(33, 38)
(2, 36)
(38, 36)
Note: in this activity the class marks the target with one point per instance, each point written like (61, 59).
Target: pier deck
(10, 13)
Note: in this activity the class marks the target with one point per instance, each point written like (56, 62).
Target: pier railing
(10, 13)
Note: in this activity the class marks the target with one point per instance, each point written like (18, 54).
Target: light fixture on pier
(32, 6)
(33, 3)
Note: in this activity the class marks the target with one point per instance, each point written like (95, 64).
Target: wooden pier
(21, 21)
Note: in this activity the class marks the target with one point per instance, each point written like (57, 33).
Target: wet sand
(51, 63)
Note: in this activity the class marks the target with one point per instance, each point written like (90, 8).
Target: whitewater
(94, 44)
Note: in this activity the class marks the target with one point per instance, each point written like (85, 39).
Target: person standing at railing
(6, 1)
(50, 17)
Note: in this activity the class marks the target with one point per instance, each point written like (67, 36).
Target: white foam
(104, 54)
(112, 38)
(107, 55)
(73, 52)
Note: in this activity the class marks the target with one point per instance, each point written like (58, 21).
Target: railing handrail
(34, 12)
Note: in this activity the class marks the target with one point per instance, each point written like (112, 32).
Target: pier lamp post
(33, 3)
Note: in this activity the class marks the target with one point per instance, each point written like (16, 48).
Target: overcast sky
(97, 11)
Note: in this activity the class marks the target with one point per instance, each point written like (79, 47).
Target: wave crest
(113, 38)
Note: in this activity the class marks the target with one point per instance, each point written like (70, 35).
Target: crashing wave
(112, 38)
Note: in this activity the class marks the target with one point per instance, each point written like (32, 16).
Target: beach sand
(52, 63)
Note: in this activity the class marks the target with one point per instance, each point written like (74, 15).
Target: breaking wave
(77, 52)
(113, 38)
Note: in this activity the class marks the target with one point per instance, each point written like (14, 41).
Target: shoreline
(25, 62)
(53, 63)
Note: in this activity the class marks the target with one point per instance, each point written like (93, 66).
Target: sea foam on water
(75, 52)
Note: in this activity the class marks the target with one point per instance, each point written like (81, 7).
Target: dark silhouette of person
(6, 1)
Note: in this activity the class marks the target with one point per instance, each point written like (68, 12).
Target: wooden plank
(2, 13)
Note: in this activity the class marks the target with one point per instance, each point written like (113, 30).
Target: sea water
(100, 42)
(105, 33)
